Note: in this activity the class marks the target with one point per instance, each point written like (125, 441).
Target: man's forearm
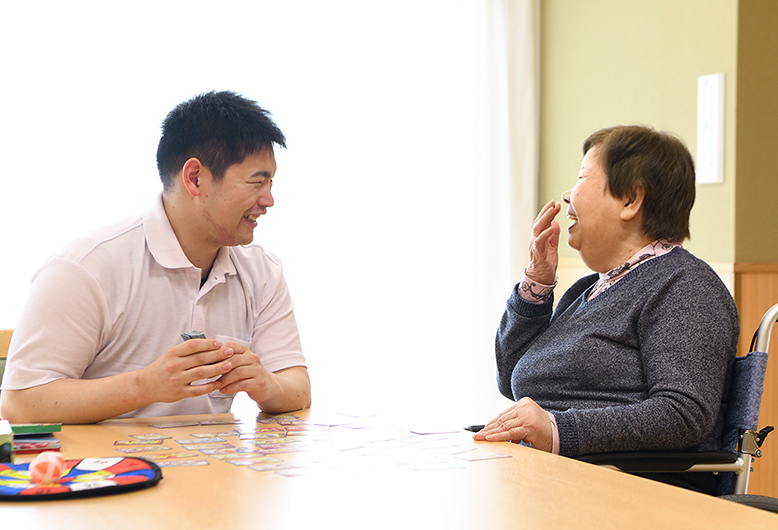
(73, 400)
(294, 391)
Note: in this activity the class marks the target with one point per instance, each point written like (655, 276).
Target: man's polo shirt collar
(161, 240)
(165, 248)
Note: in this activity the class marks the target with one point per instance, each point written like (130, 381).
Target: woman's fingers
(544, 244)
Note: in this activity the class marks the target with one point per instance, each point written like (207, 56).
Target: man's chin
(240, 240)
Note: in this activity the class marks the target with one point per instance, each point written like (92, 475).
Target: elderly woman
(639, 355)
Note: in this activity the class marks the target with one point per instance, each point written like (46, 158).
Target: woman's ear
(633, 204)
(191, 175)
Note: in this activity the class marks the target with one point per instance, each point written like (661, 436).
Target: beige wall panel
(606, 63)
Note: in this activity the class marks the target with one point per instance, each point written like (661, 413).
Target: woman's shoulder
(681, 263)
(687, 277)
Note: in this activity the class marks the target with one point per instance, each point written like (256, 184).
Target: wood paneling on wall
(756, 290)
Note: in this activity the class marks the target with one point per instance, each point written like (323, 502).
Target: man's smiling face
(232, 205)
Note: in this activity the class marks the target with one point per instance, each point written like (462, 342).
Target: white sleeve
(276, 338)
(61, 327)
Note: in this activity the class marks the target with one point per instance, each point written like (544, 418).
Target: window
(392, 217)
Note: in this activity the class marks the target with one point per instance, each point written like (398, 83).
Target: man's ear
(191, 176)
(633, 205)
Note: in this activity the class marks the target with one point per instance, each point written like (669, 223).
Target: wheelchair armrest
(658, 461)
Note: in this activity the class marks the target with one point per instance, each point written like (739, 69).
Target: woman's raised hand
(544, 245)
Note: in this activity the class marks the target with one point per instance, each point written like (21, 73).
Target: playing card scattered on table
(289, 445)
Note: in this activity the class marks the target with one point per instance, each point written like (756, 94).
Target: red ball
(47, 467)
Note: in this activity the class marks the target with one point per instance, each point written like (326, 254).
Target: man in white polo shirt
(100, 335)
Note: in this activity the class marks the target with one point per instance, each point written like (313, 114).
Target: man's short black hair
(219, 129)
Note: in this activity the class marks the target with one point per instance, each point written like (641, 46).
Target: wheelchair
(741, 442)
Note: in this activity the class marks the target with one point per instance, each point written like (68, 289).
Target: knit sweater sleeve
(687, 330)
(521, 323)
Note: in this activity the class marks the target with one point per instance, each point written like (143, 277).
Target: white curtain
(409, 177)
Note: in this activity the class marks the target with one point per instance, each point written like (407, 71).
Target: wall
(609, 63)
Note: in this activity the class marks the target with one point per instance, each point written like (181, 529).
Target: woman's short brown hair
(660, 163)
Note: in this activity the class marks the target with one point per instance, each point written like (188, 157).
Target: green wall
(620, 62)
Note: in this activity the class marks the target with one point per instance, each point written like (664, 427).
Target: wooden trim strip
(770, 268)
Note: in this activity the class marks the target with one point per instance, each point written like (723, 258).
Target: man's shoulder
(256, 265)
(254, 254)
(113, 239)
